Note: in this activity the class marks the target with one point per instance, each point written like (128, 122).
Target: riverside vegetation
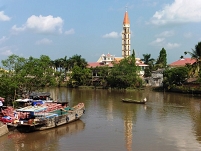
(19, 75)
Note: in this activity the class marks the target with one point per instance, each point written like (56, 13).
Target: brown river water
(167, 122)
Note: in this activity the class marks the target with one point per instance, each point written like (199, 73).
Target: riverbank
(3, 129)
(184, 90)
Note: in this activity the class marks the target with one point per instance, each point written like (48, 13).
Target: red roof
(182, 62)
(126, 19)
(98, 64)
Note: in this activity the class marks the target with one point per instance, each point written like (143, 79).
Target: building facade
(126, 42)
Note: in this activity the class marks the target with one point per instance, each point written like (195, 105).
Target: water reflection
(166, 122)
(41, 140)
(131, 115)
(128, 126)
(195, 113)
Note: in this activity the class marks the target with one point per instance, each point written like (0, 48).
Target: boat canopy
(46, 115)
(24, 100)
(32, 109)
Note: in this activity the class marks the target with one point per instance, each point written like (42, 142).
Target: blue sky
(90, 28)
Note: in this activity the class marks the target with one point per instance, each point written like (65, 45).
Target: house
(156, 78)
(182, 62)
(106, 60)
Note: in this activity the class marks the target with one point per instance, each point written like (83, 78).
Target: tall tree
(149, 61)
(25, 75)
(174, 77)
(161, 62)
(77, 60)
(124, 74)
(11, 81)
(196, 54)
(80, 76)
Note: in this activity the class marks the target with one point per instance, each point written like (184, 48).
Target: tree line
(20, 75)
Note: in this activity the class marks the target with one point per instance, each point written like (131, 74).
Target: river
(167, 122)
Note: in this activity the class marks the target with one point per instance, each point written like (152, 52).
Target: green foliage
(77, 60)
(80, 76)
(124, 74)
(149, 61)
(174, 76)
(161, 62)
(147, 72)
(25, 75)
(65, 66)
(195, 54)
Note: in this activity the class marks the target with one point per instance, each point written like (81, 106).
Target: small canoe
(134, 101)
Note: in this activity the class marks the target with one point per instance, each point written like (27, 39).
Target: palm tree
(65, 65)
(58, 64)
(147, 59)
(196, 54)
(79, 61)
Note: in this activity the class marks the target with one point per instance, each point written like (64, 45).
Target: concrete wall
(3, 129)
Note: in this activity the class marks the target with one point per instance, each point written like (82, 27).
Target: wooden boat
(46, 116)
(134, 101)
(36, 102)
(40, 96)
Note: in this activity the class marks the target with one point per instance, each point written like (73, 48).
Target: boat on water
(40, 112)
(46, 116)
(41, 115)
(127, 100)
(8, 113)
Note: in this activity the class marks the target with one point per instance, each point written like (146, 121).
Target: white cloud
(5, 51)
(70, 32)
(3, 17)
(41, 24)
(16, 29)
(44, 41)
(157, 41)
(166, 34)
(111, 35)
(172, 45)
(3, 39)
(161, 42)
(180, 11)
(188, 35)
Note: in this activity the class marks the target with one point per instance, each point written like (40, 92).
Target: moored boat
(127, 100)
(46, 116)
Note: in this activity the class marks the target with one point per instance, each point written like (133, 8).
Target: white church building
(107, 59)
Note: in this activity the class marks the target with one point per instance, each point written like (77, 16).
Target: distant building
(126, 36)
(182, 62)
(106, 60)
(156, 78)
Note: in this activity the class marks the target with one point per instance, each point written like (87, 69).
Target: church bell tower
(126, 36)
